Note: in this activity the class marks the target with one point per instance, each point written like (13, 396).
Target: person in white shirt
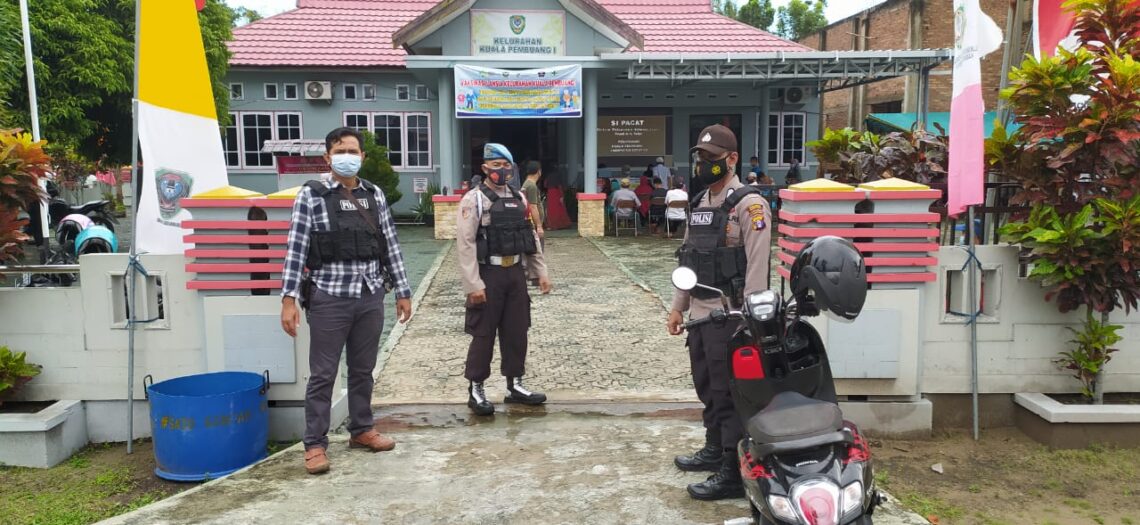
(675, 216)
(624, 194)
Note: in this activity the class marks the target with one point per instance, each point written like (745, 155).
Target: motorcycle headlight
(852, 497)
(818, 499)
(782, 508)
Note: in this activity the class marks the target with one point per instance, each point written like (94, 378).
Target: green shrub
(14, 371)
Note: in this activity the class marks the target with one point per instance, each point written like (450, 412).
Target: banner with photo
(553, 92)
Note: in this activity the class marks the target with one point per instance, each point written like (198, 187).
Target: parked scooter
(801, 462)
(99, 211)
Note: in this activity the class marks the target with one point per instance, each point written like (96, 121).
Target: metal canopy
(835, 69)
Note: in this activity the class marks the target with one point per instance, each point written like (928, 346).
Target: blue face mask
(346, 164)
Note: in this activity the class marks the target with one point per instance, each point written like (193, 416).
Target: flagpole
(133, 253)
(972, 261)
(34, 113)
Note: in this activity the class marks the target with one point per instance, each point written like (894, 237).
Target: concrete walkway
(600, 452)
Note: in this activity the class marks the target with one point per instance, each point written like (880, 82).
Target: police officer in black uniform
(492, 236)
(728, 245)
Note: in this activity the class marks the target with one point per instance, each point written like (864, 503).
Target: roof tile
(358, 33)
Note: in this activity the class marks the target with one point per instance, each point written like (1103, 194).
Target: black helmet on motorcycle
(829, 272)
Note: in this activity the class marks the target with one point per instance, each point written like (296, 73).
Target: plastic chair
(633, 216)
(674, 205)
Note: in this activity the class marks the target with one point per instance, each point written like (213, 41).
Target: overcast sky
(836, 9)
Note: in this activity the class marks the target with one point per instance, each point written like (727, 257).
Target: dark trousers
(708, 355)
(337, 323)
(507, 314)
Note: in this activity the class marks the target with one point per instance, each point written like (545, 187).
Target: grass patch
(97, 483)
(1126, 521)
(1077, 503)
(928, 506)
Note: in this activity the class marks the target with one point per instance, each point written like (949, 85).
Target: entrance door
(528, 139)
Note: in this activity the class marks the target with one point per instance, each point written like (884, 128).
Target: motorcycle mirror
(684, 278)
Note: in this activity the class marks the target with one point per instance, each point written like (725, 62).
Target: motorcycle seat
(90, 206)
(792, 416)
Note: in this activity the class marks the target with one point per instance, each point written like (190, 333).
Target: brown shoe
(316, 462)
(372, 440)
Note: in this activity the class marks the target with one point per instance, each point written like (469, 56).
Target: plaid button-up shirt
(341, 278)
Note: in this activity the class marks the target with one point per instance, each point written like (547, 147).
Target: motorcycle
(800, 461)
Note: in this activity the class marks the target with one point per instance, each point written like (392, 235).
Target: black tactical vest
(706, 249)
(352, 236)
(508, 233)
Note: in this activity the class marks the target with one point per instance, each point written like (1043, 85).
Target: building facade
(389, 67)
(906, 24)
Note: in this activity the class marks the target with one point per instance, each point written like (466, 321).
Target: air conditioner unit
(794, 95)
(318, 90)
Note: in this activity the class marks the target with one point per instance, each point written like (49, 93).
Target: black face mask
(498, 175)
(708, 172)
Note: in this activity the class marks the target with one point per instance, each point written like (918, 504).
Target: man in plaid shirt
(342, 232)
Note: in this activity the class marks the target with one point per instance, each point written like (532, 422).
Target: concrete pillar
(590, 125)
(762, 128)
(448, 162)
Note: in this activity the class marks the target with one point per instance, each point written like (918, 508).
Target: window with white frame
(786, 132)
(246, 133)
(270, 91)
(256, 128)
(290, 91)
(388, 128)
(421, 92)
(368, 91)
(407, 136)
(357, 121)
(418, 132)
(237, 91)
(230, 143)
(350, 91)
(288, 126)
(403, 92)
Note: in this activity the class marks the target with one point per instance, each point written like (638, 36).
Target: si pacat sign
(631, 136)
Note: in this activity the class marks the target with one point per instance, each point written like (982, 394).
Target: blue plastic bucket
(205, 426)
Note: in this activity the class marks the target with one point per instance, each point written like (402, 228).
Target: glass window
(290, 91)
(419, 140)
(357, 121)
(402, 93)
(786, 133)
(350, 91)
(387, 128)
(230, 143)
(421, 92)
(256, 129)
(237, 92)
(368, 91)
(288, 126)
(271, 92)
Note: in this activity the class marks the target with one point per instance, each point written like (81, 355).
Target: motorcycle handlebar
(717, 315)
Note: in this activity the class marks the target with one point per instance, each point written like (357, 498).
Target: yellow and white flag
(178, 126)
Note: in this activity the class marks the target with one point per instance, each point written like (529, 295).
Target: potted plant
(424, 210)
(1080, 118)
(915, 155)
(22, 163)
(15, 371)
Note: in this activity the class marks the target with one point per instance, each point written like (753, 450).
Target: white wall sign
(420, 185)
(517, 33)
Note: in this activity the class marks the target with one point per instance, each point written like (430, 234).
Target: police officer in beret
(493, 236)
(728, 245)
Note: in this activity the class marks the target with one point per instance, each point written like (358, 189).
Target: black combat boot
(725, 484)
(477, 400)
(517, 393)
(708, 458)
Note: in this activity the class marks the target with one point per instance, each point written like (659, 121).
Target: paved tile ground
(420, 248)
(598, 336)
(589, 465)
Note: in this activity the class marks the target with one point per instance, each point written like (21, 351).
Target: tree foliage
(800, 18)
(22, 164)
(757, 14)
(84, 65)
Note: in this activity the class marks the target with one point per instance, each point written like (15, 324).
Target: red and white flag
(975, 36)
(1052, 28)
